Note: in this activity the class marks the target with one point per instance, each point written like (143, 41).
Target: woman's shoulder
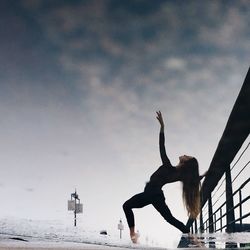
(169, 167)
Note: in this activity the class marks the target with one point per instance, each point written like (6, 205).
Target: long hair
(191, 187)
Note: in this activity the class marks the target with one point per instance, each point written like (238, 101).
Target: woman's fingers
(158, 113)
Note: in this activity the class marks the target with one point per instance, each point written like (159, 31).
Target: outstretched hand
(160, 118)
(202, 176)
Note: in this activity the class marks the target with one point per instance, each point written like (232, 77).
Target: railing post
(229, 202)
(240, 201)
(201, 223)
(215, 222)
(221, 219)
(195, 226)
(210, 215)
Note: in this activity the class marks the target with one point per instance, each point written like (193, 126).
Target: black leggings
(157, 199)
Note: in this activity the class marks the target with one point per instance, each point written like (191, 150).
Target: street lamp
(75, 205)
(120, 227)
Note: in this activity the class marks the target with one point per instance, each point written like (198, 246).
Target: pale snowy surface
(56, 234)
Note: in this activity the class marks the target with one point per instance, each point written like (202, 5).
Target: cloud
(92, 42)
(229, 30)
(128, 63)
(175, 64)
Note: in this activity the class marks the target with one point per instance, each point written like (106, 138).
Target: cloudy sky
(80, 82)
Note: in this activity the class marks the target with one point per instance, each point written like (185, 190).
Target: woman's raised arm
(163, 154)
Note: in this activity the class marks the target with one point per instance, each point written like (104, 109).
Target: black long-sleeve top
(166, 173)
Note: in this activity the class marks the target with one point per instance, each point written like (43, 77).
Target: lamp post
(120, 227)
(75, 205)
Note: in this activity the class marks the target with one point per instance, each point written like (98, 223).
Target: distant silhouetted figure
(187, 171)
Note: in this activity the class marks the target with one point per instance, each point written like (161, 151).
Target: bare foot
(134, 238)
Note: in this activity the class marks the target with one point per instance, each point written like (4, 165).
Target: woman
(187, 171)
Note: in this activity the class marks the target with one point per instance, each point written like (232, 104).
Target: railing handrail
(240, 172)
(240, 156)
(242, 185)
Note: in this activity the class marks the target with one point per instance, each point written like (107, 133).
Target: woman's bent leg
(137, 201)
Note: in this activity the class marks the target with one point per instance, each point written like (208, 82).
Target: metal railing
(210, 224)
(235, 134)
